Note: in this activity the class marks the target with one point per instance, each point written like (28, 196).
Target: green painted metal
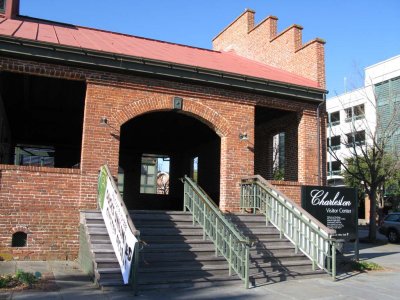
(228, 241)
(307, 234)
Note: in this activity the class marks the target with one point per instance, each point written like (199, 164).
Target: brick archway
(191, 107)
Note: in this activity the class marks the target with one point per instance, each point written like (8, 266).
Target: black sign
(335, 207)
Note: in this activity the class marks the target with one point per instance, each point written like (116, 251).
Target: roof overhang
(10, 46)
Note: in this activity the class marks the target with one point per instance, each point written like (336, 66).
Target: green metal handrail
(307, 234)
(228, 241)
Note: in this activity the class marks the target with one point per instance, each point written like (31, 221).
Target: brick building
(76, 98)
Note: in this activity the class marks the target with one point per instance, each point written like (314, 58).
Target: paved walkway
(66, 281)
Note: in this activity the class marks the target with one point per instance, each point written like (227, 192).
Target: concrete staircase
(272, 259)
(175, 254)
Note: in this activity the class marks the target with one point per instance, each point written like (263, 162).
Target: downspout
(319, 139)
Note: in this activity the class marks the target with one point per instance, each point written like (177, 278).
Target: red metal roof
(110, 42)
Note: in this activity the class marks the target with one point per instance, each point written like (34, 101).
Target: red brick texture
(284, 50)
(45, 202)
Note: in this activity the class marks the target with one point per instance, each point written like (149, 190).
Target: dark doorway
(41, 120)
(159, 148)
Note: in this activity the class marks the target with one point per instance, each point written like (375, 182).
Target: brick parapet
(284, 50)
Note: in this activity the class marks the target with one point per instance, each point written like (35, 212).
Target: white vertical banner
(116, 220)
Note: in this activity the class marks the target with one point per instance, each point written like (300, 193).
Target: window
(28, 155)
(387, 91)
(334, 142)
(195, 169)
(19, 239)
(154, 176)
(334, 118)
(359, 112)
(393, 218)
(2, 5)
(356, 138)
(334, 168)
(355, 113)
(278, 156)
(120, 182)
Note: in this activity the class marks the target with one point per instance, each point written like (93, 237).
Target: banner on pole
(115, 217)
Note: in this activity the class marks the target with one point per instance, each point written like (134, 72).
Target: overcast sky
(358, 33)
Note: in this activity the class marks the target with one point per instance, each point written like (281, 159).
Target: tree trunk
(372, 215)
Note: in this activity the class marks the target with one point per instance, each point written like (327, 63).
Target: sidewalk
(66, 281)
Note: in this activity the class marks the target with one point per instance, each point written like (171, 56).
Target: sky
(358, 33)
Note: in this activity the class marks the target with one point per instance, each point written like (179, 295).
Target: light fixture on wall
(103, 121)
(243, 136)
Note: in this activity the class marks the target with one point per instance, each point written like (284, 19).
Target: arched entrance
(157, 149)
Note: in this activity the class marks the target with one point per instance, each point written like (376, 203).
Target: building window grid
(334, 168)
(387, 90)
(334, 118)
(356, 139)
(355, 113)
(333, 143)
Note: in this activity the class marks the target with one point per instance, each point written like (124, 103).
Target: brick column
(308, 148)
(237, 158)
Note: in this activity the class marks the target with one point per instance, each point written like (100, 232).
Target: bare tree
(374, 158)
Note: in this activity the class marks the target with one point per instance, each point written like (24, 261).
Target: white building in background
(352, 116)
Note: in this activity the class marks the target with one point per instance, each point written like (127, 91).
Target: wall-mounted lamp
(103, 121)
(243, 136)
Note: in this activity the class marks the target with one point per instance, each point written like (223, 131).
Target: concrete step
(176, 255)
(110, 262)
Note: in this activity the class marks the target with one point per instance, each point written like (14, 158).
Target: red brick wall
(284, 50)
(292, 189)
(46, 201)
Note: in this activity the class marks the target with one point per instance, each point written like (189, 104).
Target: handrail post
(296, 235)
(204, 220)
(314, 250)
(241, 197)
(333, 261)
(230, 254)
(254, 198)
(216, 237)
(184, 196)
(247, 266)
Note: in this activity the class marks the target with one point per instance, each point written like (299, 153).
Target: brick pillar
(237, 158)
(100, 143)
(308, 148)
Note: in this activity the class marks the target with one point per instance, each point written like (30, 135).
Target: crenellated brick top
(284, 50)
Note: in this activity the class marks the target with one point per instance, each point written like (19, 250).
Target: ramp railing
(228, 241)
(307, 234)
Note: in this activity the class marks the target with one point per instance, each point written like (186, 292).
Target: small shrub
(20, 278)
(26, 277)
(366, 266)
(8, 281)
